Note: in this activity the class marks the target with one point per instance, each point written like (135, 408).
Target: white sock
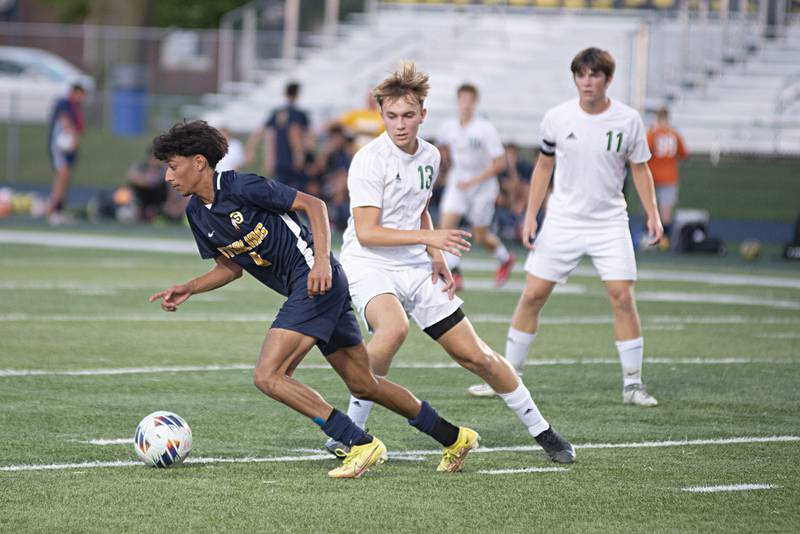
(452, 260)
(631, 352)
(518, 343)
(358, 411)
(501, 253)
(521, 402)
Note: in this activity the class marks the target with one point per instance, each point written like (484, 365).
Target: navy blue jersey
(280, 120)
(251, 222)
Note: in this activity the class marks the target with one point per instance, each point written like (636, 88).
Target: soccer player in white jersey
(474, 154)
(393, 259)
(589, 140)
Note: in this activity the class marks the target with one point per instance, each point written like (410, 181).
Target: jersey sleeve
(682, 151)
(207, 251)
(263, 193)
(638, 151)
(271, 120)
(365, 182)
(494, 146)
(548, 146)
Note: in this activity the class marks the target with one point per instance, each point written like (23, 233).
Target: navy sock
(668, 230)
(343, 429)
(429, 422)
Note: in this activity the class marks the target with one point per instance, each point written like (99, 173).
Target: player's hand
(440, 271)
(467, 184)
(450, 240)
(529, 232)
(320, 279)
(172, 297)
(655, 230)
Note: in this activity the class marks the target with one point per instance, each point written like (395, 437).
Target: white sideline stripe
(110, 371)
(399, 455)
(489, 318)
(185, 246)
(732, 487)
(117, 441)
(523, 470)
(634, 445)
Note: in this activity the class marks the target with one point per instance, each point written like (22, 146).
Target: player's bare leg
(281, 353)
(389, 324)
(630, 344)
(484, 237)
(524, 326)
(472, 353)
(58, 194)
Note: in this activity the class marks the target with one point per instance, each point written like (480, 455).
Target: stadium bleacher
(739, 95)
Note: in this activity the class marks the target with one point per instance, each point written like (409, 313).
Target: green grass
(64, 309)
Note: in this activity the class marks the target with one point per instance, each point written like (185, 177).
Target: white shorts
(557, 251)
(667, 195)
(476, 204)
(423, 301)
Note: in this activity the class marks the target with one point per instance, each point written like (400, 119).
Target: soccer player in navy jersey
(248, 223)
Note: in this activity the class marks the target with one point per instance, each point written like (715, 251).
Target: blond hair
(402, 83)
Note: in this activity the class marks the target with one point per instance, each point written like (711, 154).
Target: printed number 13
(425, 182)
(610, 136)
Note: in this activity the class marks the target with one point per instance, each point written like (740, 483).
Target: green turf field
(724, 353)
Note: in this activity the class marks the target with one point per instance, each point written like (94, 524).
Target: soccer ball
(162, 439)
(750, 249)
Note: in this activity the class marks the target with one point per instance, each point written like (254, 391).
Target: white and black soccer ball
(162, 439)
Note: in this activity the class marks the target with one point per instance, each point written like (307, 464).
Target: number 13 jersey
(400, 184)
(591, 152)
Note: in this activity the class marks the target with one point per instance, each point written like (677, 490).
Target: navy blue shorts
(328, 317)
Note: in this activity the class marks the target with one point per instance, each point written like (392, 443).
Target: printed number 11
(610, 136)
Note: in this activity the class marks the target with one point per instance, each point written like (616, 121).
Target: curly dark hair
(189, 139)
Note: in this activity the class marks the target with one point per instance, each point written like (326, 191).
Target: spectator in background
(66, 127)
(332, 162)
(146, 180)
(285, 135)
(513, 199)
(668, 149)
(235, 157)
(363, 124)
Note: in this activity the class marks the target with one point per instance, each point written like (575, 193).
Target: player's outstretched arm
(371, 233)
(497, 166)
(540, 182)
(320, 278)
(643, 180)
(224, 272)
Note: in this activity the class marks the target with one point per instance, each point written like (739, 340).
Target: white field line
(780, 335)
(489, 318)
(523, 470)
(411, 455)
(732, 487)
(116, 441)
(112, 371)
(186, 246)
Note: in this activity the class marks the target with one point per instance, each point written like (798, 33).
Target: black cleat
(337, 448)
(557, 448)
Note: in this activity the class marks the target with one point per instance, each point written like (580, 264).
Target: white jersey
(472, 147)
(591, 152)
(400, 184)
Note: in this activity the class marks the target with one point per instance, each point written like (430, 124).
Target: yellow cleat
(360, 459)
(453, 456)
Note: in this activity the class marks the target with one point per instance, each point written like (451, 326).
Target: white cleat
(637, 395)
(481, 390)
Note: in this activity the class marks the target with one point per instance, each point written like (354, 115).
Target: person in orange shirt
(667, 147)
